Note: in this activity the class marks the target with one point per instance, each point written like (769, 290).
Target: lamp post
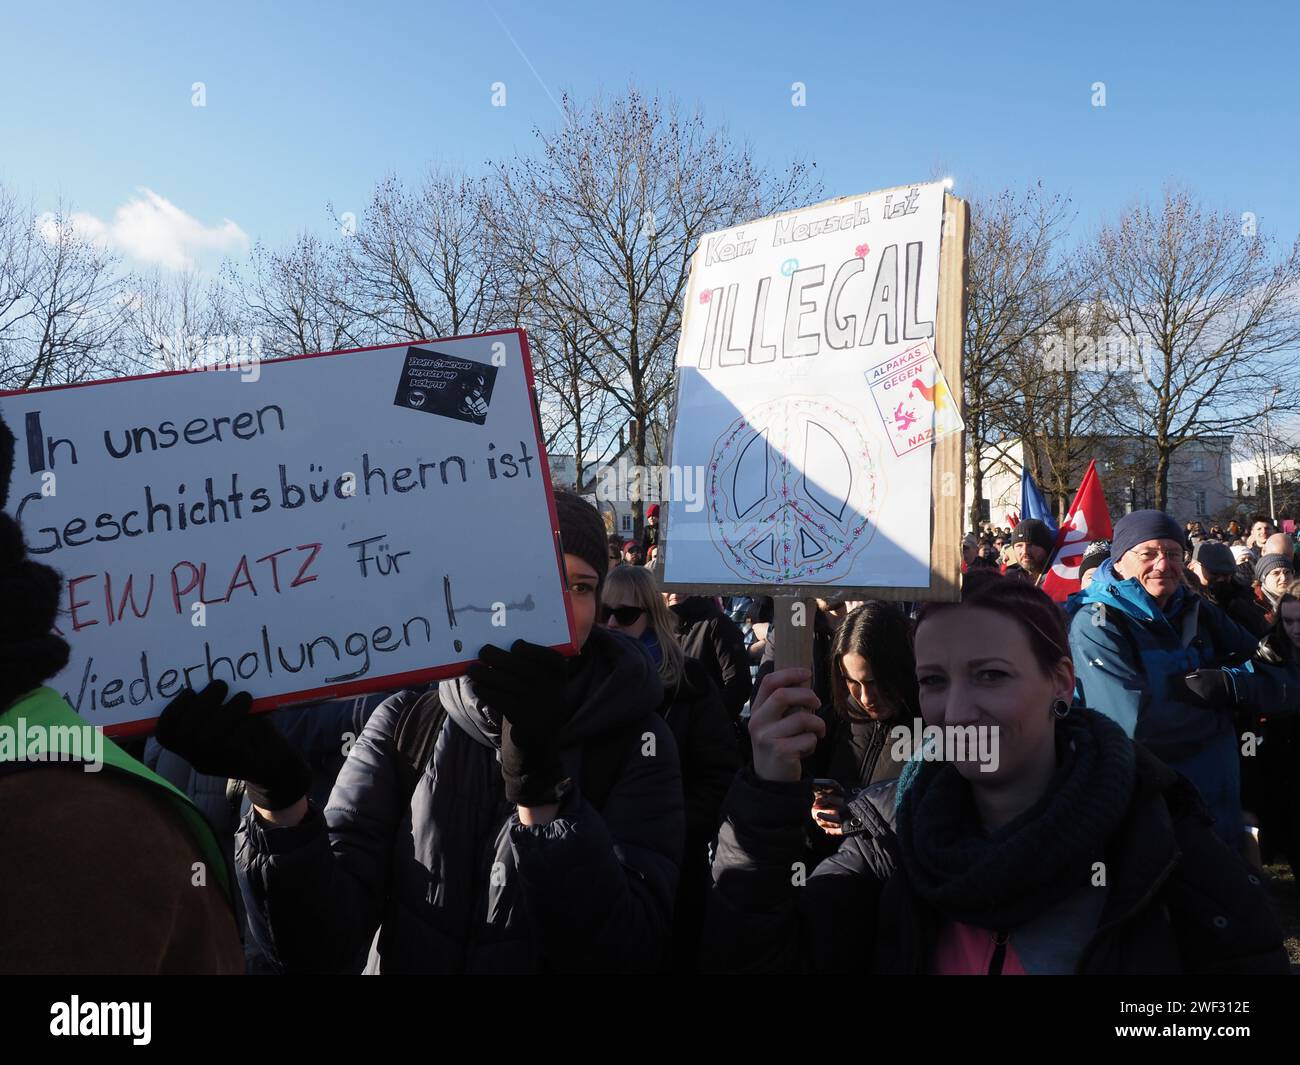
(1268, 457)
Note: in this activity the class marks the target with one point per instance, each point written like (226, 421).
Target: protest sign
(329, 525)
(818, 395)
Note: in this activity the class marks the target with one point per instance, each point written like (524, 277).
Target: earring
(1060, 708)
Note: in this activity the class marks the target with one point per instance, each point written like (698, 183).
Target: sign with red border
(304, 528)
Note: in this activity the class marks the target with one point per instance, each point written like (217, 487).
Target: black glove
(1206, 687)
(525, 685)
(224, 739)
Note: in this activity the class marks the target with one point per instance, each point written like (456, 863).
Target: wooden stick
(793, 619)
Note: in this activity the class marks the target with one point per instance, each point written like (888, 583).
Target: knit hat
(582, 533)
(1269, 563)
(1097, 553)
(1240, 553)
(652, 511)
(29, 601)
(1215, 557)
(1141, 526)
(1035, 532)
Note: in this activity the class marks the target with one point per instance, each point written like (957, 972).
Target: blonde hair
(638, 585)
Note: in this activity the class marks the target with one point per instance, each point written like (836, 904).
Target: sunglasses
(624, 615)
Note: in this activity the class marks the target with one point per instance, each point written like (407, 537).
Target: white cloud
(152, 229)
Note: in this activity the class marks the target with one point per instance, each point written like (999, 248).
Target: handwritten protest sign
(328, 525)
(818, 391)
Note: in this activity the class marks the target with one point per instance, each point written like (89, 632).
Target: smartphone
(825, 786)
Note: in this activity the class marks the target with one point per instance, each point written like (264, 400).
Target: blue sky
(312, 103)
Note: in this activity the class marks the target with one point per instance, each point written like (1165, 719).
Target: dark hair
(1261, 517)
(882, 635)
(1276, 640)
(30, 652)
(1029, 607)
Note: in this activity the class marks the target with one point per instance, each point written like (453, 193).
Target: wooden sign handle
(792, 622)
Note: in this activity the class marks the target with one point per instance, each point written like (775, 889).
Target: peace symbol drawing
(791, 492)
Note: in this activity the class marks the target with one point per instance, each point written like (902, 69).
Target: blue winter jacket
(1126, 651)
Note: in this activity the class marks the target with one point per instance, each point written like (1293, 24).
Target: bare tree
(1215, 315)
(291, 300)
(605, 219)
(1019, 283)
(424, 263)
(62, 306)
(577, 414)
(175, 321)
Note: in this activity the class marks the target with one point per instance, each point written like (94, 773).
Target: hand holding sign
(783, 724)
(525, 685)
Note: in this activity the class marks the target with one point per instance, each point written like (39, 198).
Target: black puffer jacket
(708, 635)
(1178, 900)
(710, 757)
(450, 878)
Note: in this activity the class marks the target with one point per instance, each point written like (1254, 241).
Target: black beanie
(29, 601)
(1034, 531)
(582, 533)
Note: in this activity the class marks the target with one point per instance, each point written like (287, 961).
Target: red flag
(1088, 520)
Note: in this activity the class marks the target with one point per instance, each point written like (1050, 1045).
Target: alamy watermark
(77, 1018)
(1073, 353)
(946, 743)
(628, 483)
(199, 353)
(23, 741)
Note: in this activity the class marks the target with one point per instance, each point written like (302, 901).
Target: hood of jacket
(613, 682)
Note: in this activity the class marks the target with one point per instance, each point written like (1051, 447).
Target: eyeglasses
(624, 615)
(1150, 555)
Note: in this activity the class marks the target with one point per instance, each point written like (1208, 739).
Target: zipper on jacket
(999, 953)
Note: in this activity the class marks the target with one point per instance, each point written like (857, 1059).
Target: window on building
(627, 522)
(1200, 502)
(1198, 465)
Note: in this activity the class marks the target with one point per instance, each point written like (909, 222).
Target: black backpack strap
(414, 737)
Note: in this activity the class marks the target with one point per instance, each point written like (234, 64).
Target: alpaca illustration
(938, 394)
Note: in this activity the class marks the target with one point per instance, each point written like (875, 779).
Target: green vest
(45, 708)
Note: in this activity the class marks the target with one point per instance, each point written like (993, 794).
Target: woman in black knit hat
(100, 866)
(1045, 842)
(527, 817)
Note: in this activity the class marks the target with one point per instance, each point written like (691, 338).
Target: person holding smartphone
(873, 689)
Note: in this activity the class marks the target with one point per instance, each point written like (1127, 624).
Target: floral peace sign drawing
(792, 491)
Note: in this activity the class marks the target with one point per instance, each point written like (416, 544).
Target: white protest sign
(809, 397)
(327, 525)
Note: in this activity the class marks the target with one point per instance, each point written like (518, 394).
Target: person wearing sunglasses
(1166, 663)
(706, 742)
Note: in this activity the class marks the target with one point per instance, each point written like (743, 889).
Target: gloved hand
(526, 686)
(223, 739)
(1206, 687)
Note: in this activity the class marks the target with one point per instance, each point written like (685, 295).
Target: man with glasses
(1158, 659)
(1274, 573)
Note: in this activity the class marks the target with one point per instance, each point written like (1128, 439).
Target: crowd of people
(667, 800)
